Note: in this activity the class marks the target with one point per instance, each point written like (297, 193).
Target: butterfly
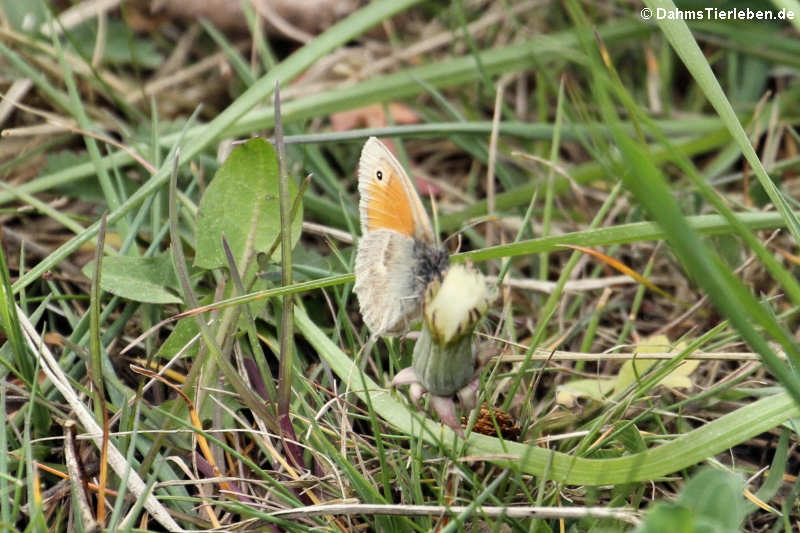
(397, 256)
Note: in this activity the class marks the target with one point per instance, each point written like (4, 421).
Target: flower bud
(445, 354)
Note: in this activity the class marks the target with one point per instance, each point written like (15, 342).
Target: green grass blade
(95, 342)
(394, 86)
(682, 40)
(9, 322)
(794, 7)
(686, 450)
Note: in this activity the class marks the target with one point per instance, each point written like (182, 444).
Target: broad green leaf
(632, 370)
(716, 496)
(629, 373)
(710, 502)
(242, 203)
(595, 389)
(668, 518)
(141, 279)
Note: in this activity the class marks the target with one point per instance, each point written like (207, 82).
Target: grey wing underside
(385, 282)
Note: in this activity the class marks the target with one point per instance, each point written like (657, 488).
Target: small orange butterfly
(398, 255)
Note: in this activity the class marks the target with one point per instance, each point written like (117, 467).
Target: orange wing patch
(389, 206)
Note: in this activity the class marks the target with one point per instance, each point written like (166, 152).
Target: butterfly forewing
(388, 207)
(388, 198)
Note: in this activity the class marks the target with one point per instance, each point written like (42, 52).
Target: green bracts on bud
(445, 355)
(443, 369)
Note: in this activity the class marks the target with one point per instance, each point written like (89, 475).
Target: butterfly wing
(397, 237)
(385, 282)
(388, 198)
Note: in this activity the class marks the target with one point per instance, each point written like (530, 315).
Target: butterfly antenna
(458, 238)
(474, 223)
(435, 212)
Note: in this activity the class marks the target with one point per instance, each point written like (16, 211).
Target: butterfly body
(397, 256)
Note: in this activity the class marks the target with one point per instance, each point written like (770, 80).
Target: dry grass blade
(625, 515)
(79, 481)
(542, 355)
(61, 124)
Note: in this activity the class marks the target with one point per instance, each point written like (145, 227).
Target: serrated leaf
(242, 195)
(141, 279)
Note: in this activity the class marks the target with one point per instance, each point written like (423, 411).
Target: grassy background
(666, 148)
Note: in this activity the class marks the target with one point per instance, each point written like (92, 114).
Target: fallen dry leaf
(373, 116)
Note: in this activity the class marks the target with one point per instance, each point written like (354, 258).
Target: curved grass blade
(689, 449)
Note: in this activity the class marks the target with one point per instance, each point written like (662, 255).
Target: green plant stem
(287, 317)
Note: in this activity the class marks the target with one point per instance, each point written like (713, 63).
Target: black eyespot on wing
(379, 175)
